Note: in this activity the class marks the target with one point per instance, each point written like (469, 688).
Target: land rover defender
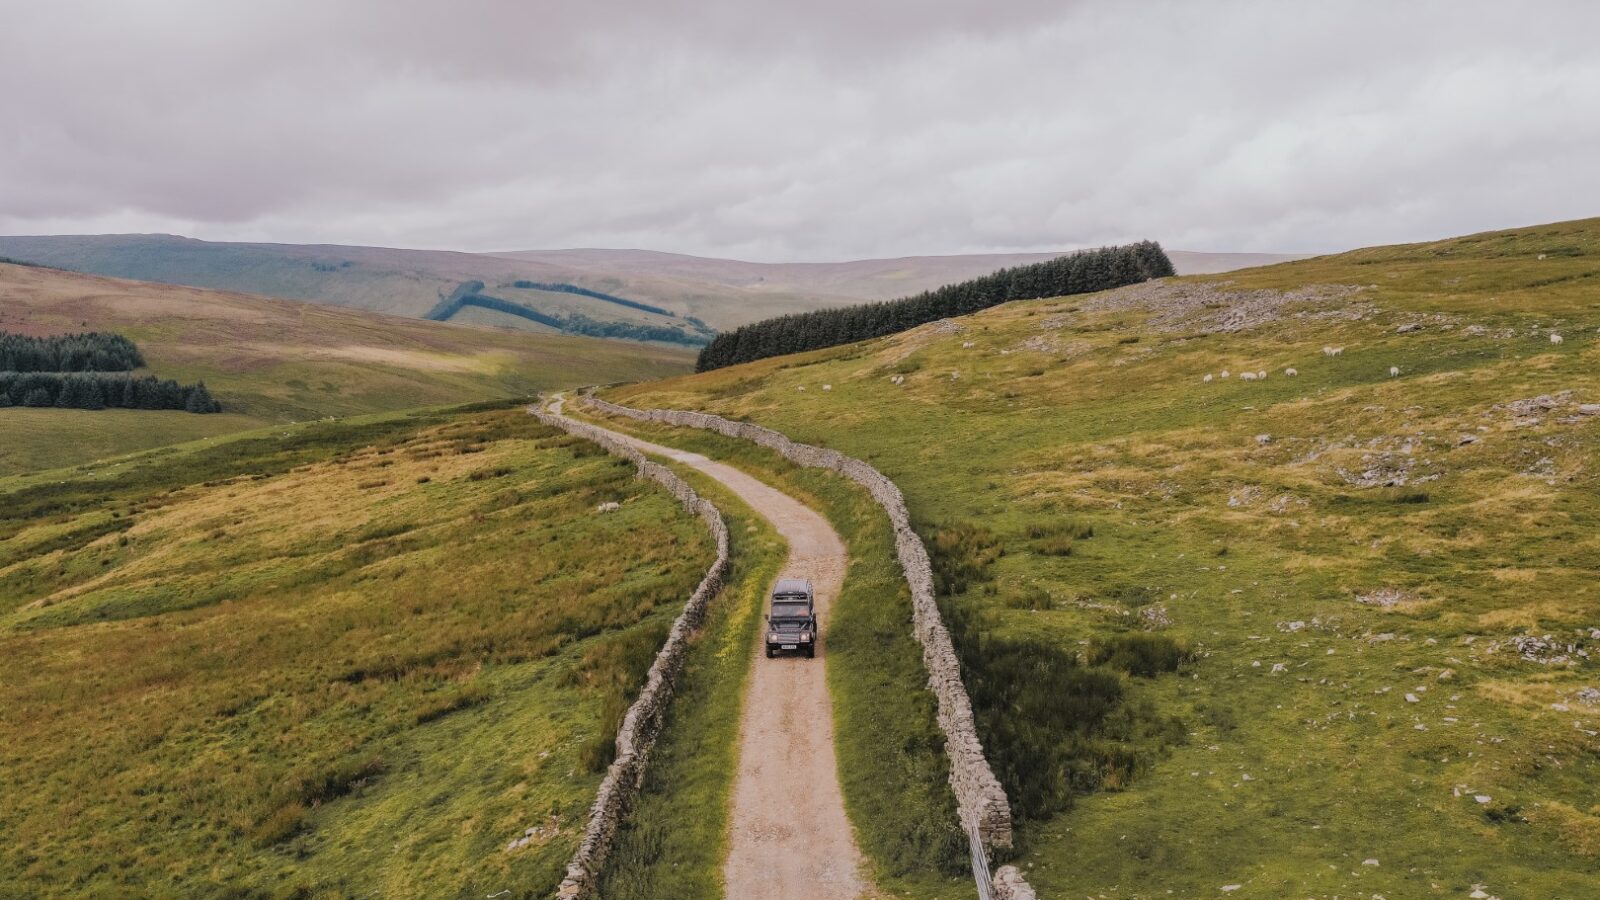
(792, 621)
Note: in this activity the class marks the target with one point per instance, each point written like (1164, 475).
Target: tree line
(86, 390)
(577, 323)
(1076, 273)
(87, 352)
(564, 288)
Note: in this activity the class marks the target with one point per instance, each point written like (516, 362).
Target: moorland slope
(274, 361)
(340, 660)
(1324, 630)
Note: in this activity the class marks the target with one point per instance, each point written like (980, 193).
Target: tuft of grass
(1142, 654)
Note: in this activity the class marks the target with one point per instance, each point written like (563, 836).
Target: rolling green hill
(337, 660)
(275, 361)
(1329, 630)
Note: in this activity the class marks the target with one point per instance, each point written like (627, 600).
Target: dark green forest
(68, 371)
(577, 323)
(1077, 273)
(88, 352)
(564, 288)
(88, 390)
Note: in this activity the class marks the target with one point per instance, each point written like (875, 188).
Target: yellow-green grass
(891, 763)
(1092, 484)
(278, 361)
(352, 659)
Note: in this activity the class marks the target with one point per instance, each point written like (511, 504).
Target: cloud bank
(781, 131)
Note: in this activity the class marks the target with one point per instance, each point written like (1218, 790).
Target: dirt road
(789, 838)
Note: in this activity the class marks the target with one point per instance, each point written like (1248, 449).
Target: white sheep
(1556, 338)
(827, 387)
(1394, 371)
(968, 345)
(1290, 372)
(1247, 376)
(1207, 379)
(1332, 351)
(1261, 375)
(1224, 373)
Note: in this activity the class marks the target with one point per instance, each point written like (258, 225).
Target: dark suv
(792, 624)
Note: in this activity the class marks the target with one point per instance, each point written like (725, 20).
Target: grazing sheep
(1394, 371)
(1290, 372)
(1261, 375)
(1224, 373)
(607, 507)
(801, 388)
(968, 345)
(1247, 376)
(827, 387)
(1332, 351)
(1556, 338)
(1207, 379)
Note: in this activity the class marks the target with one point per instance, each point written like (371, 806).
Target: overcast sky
(810, 129)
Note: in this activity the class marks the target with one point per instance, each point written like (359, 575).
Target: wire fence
(980, 865)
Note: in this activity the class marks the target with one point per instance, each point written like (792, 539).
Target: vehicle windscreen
(789, 610)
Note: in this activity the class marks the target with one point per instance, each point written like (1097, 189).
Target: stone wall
(979, 796)
(642, 723)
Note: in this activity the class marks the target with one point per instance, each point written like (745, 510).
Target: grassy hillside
(1320, 634)
(345, 660)
(274, 361)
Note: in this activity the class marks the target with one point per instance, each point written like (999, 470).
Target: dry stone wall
(979, 797)
(642, 723)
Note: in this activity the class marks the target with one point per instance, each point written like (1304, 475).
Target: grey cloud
(780, 131)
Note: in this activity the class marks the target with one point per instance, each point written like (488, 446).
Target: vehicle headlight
(805, 635)
(772, 636)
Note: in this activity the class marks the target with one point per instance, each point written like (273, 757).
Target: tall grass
(1054, 725)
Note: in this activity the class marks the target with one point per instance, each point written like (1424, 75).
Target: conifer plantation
(1077, 273)
(64, 371)
(88, 352)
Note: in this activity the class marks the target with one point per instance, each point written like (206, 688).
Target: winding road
(789, 837)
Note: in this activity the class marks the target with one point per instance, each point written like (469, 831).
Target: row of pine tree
(1077, 273)
(78, 390)
(67, 371)
(88, 352)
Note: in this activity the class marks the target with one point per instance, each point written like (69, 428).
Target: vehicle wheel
(770, 654)
(811, 652)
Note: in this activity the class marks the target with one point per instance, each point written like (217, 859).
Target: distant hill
(665, 289)
(271, 361)
(842, 282)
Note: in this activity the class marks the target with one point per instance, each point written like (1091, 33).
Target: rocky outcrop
(642, 723)
(1010, 885)
(980, 798)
